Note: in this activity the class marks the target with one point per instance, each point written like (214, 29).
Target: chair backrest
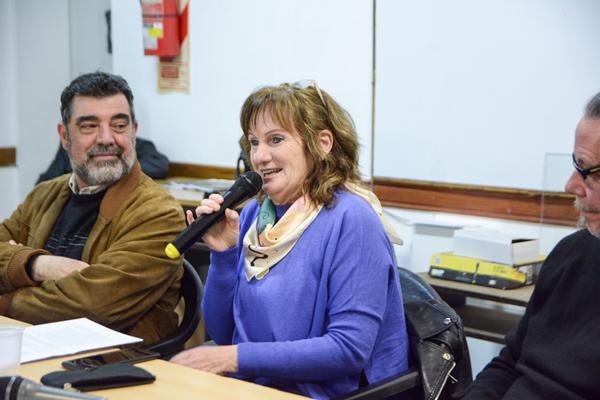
(191, 291)
(436, 333)
(414, 287)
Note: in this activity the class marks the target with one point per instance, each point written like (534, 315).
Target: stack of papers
(197, 190)
(208, 185)
(69, 337)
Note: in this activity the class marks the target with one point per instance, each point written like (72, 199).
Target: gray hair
(592, 109)
(95, 84)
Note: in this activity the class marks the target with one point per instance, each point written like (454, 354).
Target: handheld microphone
(18, 388)
(245, 187)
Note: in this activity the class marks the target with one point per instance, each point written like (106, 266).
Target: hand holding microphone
(245, 187)
(223, 234)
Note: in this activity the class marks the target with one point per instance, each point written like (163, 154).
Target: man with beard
(554, 352)
(153, 163)
(90, 244)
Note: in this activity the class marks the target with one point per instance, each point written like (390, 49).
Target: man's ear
(135, 129)
(62, 134)
(325, 141)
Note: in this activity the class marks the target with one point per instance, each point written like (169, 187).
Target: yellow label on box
(455, 263)
(501, 271)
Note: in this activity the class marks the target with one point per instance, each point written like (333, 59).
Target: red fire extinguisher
(161, 27)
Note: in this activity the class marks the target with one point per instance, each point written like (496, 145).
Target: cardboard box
(484, 273)
(504, 276)
(453, 267)
(499, 247)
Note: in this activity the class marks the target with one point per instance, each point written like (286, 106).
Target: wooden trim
(200, 171)
(8, 156)
(504, 203)
(483, 201)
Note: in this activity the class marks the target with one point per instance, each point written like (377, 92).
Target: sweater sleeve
(498, 376)
(358, 267)
(217, 302)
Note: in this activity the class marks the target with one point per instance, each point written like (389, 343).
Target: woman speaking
(302, 293)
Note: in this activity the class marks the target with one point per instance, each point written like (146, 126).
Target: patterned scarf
(268, 241)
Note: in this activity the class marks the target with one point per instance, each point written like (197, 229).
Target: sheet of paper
(69, 337)
(202, 185)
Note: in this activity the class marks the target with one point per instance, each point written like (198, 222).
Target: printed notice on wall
(174, 74)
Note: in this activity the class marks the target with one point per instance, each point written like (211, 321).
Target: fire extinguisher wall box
(161, 27)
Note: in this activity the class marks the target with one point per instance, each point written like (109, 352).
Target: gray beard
(582, 223)
(104, 173)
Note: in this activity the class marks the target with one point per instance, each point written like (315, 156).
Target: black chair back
(191, 291)
(414, 287)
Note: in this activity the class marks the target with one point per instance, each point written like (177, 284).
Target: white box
(495, 246)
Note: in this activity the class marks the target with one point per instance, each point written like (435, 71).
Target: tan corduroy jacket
(130, 286)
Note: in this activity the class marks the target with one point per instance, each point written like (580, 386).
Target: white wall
(477, 92)
(236, 46)
(10, 196)
(43, 66)
(45, 44)
(88, 36)
(8, 70)
(8, 91)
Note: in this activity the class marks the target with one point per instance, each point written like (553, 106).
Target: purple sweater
(329, 310)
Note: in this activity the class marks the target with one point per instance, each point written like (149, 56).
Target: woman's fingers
(207, 206)
(232, 216)
(216, 197)
(189, 216)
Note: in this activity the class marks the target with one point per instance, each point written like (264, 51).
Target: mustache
(103, 149)
(578, 204)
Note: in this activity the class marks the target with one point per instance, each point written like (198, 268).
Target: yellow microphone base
(172, 252)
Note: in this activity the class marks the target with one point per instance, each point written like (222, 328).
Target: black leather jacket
(439, 347)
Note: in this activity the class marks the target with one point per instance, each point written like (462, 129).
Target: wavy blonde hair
(306, 112)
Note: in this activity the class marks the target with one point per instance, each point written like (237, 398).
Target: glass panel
(557, 170)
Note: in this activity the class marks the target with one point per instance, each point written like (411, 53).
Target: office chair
(437, 344)
(191, 291)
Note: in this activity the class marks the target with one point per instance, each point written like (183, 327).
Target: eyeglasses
(585, 171)
(306, 83)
